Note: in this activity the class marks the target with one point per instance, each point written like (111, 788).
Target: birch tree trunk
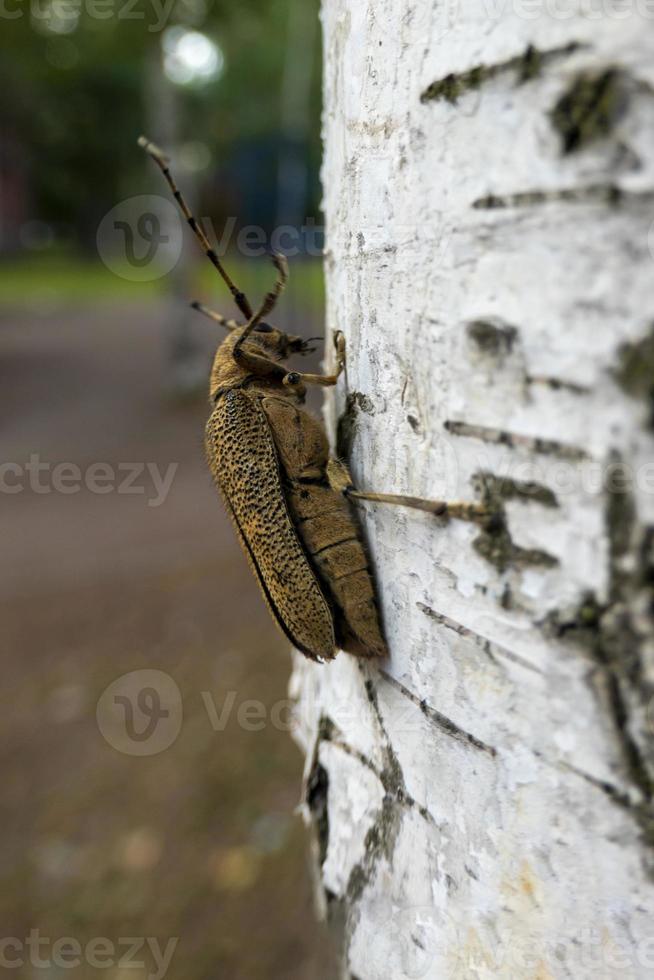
(482, 801)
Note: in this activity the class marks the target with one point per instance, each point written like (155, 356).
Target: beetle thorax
(228, 373)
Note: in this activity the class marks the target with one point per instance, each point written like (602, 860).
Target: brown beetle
(286, 497)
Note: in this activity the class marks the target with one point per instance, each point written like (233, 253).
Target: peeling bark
(484, 799)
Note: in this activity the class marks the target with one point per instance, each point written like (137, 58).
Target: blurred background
(118, 559)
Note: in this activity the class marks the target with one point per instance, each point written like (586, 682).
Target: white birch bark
(482, 800)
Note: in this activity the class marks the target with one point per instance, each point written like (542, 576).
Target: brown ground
(200, 841)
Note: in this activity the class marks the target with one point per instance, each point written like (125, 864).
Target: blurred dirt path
(91, 389)
(198, 842)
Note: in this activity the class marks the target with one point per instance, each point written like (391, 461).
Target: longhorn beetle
(288, 500)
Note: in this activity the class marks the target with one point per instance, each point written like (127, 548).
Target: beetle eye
(263, 328)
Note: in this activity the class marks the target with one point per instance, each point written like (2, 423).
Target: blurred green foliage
(74, 95)
(57, 278)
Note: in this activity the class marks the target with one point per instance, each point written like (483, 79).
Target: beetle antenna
(216, 317)
(269, 300)
(162, 160)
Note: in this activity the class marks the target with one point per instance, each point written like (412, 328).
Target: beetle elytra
(289, 501)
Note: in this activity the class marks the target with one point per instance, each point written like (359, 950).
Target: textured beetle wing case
(243, 459)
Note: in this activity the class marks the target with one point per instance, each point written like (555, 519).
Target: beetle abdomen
(325, 524)
(244, 463)
(330, 536)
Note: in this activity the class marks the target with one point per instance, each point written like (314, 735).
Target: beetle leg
(262, 366)
(161, 160)
(440, 508)
(296, 380)
(341, 480)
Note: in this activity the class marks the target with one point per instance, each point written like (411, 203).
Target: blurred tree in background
(78, 79)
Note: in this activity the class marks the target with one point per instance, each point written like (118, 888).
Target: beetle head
(277, 344)
(274, 344)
